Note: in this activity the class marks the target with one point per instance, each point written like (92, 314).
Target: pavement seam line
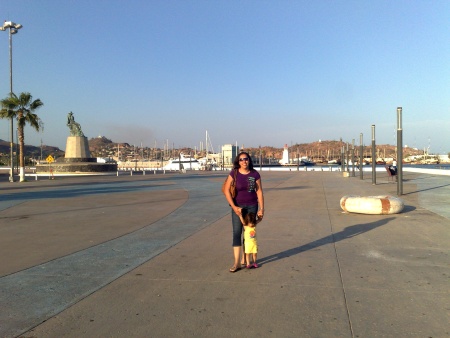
(338, 264)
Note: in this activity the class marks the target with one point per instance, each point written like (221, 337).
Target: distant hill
(104, 147)
(31, 151)
(100, 142)
(322, 150)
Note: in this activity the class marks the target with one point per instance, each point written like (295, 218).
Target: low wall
(82, 167)
(75, 160)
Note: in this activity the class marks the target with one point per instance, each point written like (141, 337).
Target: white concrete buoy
(372, 205)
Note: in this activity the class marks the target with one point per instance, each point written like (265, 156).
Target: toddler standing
(249, 222)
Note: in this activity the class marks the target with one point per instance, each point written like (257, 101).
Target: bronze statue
(75, 128)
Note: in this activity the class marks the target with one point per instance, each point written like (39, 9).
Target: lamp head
(11, 25)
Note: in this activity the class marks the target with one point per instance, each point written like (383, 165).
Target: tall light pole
(374, 158)
(347, 158)
(353, 158)
(399, 152)
(13, 29)
(361, 156)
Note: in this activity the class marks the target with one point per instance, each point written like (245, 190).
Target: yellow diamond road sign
(50, 159)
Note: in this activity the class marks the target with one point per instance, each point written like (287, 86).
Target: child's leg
(255, 265)
(243, 255)
(248, 260)
(243, 260)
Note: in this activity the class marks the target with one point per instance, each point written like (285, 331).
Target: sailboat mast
(206, 145)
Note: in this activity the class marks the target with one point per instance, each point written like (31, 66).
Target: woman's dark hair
(236, 164)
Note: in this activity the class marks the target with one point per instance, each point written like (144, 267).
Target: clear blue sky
(250, 72)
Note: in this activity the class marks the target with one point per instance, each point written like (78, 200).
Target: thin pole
(260, 159)
(11, 154)
(353, 158)
(374, 160)
(399, 152)
(347, 158)
(206, 145)
(361, 156)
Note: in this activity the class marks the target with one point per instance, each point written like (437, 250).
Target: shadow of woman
(348, 232)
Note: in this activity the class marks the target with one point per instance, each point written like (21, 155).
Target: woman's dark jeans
(237, 225)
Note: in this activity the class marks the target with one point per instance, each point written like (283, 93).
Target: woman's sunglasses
(243, 159)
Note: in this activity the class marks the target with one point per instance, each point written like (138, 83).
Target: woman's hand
(260, 213)
(237, 210)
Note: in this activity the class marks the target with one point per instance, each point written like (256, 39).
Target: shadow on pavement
(417, 191)
(348, 232)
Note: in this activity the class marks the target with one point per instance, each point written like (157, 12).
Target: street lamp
(374, 158)
(361, 156)
(13, 29)
(399, 152)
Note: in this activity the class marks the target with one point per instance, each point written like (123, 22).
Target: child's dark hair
(249, 218)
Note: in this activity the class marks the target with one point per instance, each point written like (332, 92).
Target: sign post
(50, 160)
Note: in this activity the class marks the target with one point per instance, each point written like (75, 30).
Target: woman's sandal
(234, 269)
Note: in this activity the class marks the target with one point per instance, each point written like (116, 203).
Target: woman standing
(249, 195)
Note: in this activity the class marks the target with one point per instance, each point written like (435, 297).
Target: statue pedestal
(77, 147)
(77, 160)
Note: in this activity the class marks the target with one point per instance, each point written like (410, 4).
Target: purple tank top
(246, 187)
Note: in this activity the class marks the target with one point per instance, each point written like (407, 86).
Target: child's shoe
(249, 266)
(255, 265)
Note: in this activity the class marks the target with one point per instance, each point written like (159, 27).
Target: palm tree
(22, 109)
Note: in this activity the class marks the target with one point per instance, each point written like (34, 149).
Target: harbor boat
(183, 163)
(430, 161)
(303, 161)
(306, 161)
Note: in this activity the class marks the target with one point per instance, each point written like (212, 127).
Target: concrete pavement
(149, 255)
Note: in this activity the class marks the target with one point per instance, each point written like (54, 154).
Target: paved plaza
(148, 256)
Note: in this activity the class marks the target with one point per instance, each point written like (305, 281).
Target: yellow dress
(250, 243)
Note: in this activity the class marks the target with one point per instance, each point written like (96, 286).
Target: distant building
(229, 152)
